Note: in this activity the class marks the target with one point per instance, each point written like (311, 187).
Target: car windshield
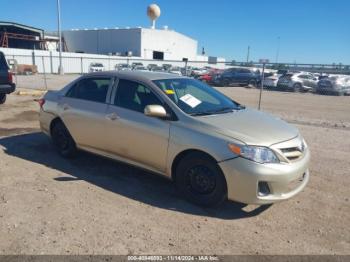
(196, 98)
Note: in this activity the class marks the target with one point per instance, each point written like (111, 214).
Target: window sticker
(169, 92)
(190, 100)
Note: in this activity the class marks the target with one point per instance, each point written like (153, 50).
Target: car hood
(250, 126)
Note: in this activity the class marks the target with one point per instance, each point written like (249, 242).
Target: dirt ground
(90, 205)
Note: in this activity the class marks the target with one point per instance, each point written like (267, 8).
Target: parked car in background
(186, 71)
(209, 145)
(238, 76)
(122, 67)
(151, 66)
(140, 68)
(6, 79)
(209, 76)
(282, 72)
(197, 72)
(135, 64)
(297, 82)
(175, 70)
(270, 80)
(96, 67)
(158, 69)
(166, 67)
(336, 84)
(322, 76)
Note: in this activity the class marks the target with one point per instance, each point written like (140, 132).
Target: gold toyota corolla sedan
(212, 147)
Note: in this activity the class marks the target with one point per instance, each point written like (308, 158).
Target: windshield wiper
(201, 113)
(213, 112)
(223, 110)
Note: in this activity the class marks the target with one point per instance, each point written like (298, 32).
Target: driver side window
(134, 96)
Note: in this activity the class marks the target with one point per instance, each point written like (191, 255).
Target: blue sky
(310, 31)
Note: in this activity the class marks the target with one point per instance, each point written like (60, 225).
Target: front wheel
(297, 87)
(225, 83)
(63, 141)
(200, 180)
(2, 98)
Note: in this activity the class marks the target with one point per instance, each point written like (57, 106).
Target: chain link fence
(295, 107)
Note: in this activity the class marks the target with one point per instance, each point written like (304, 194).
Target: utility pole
(60, 67)
(278, 49)
(248, 53)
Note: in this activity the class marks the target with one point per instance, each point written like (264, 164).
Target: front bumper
(284, 180)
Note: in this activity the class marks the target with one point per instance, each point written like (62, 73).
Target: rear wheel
(63, 141)
(297, 87)
(2, 98)
(200, 180)
(252, 83)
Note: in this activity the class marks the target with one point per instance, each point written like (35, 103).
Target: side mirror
(155, 111)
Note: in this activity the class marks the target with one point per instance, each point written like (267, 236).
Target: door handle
(112, 116)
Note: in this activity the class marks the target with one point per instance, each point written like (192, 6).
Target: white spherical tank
(153, 12)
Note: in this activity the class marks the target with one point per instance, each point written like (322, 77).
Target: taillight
(41, 102)
(10, 77)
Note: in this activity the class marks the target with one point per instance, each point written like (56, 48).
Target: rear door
(313, 81)
(83, 110)
(243, 76)
(232, 75)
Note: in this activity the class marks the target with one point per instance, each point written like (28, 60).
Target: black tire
(2, 98)
(252, 83)
(200, 180)
(297, 87)
(225, 83)
(63, 141)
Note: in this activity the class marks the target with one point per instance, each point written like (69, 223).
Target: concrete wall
(174, 45)
(73, 63)
(104, 41)
(140, 41)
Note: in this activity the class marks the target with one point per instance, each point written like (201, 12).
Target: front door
(133, 135)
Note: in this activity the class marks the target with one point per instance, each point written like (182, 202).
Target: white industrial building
(160, 44)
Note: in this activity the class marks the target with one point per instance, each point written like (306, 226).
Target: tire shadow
(117, 177)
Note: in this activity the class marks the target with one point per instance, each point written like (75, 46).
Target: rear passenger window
(91, 89)
(244, 71)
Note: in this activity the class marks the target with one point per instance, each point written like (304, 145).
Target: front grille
(293, 153)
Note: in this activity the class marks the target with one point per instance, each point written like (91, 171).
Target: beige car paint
(153, 143)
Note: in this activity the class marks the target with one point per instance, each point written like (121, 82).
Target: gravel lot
(90, 205)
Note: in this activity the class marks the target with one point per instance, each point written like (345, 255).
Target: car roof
(137, 75)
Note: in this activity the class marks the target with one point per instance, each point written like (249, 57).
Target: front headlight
(257, 154)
